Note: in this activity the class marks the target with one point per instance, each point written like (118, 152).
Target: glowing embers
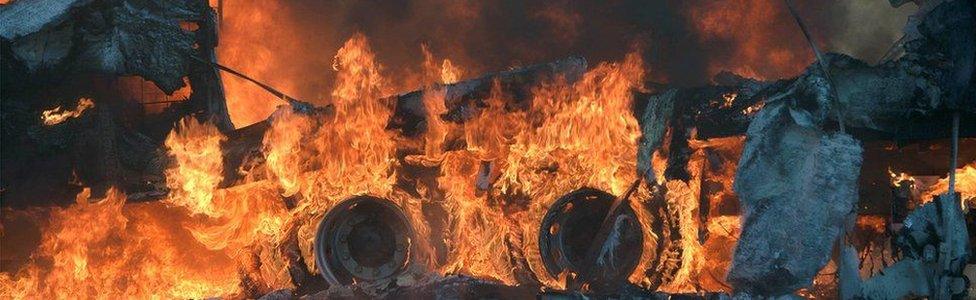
(363, 239)
(569, 228)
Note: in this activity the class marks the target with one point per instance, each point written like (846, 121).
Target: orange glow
(263, 45)
(56, 115)
(875, 224)
(965, 186)
(753, 32)
(444, 73)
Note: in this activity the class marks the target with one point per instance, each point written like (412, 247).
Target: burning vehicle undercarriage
(558, 180)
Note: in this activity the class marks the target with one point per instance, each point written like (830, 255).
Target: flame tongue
(965, 185)
(56, 115)
(198, 167)
(565, 141)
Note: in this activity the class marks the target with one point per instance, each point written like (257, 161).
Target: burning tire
(570, 225)
(363, 239)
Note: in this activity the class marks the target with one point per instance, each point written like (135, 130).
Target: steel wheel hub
(363, 239)
(570, 225)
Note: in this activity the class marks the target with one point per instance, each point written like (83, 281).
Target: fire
(704, 262)
(753, 109)
(445, 73)
(207, 239)
(728, 99)
(565, 141)
(965, 185)
(450, 73)
(234, 220)
(479, 233)
(323, 160)
(898, 178)
(56, 115)
(585, 137)
(198, 167)
(107, 248)
(194, 244)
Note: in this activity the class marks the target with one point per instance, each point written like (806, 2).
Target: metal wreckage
(798, 180)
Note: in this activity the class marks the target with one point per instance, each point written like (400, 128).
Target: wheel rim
(570, 225)
(363, 239)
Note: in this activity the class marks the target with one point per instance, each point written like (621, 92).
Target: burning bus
(195, 149)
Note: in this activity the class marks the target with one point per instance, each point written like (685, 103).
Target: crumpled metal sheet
(26, 17)
(798, 188)
(123, 38)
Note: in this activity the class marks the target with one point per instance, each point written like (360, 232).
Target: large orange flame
(106, 249)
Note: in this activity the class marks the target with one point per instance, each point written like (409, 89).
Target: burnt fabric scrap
(798, 188)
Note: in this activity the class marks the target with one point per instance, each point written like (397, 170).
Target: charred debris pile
(810, 157)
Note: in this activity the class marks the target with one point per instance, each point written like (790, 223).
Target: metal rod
(593, 251)
(820, 61)
(266, 87)
(955, 153)
(295, 103)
